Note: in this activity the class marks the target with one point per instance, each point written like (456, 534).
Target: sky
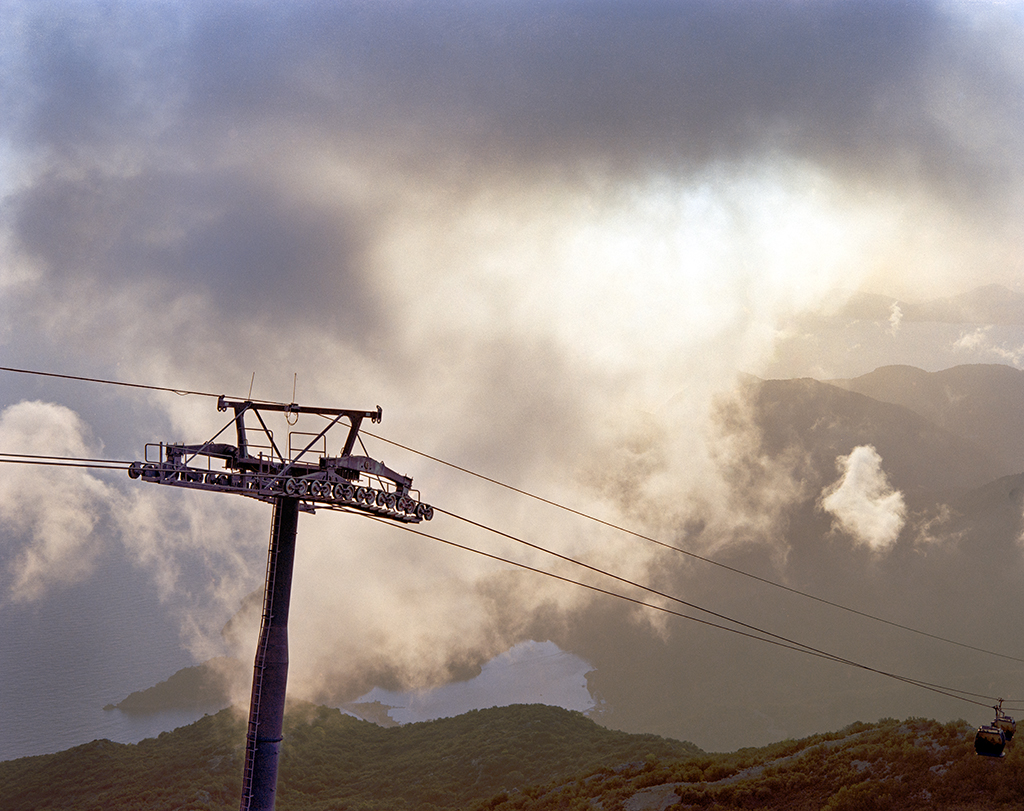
(543, 236)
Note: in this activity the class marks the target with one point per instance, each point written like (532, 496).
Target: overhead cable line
(181, 392)
(752, 633)
(571, 510)
(126, 384)
(795, 644)
(695, 555)
(62, 461)
(619, 578)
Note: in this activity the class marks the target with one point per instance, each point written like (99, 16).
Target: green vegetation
(331, 761)
(193, 767)
(448, 763)
(524, 758)
(915, 764)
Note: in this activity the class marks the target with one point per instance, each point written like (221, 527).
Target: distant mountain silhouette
(981, 404)
(828, 420)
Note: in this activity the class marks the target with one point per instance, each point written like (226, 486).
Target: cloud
(973, 341)
(981, 342)
(347, 178)
(895, 318)
(862, 501)
(203, 555)
(58, 522)
(49, 516)
(545, 237)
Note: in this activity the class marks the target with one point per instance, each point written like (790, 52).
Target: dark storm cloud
(657, 85)
(663, 86)
(162, 127)
(82, 77)
(572, 72)
(224, 234)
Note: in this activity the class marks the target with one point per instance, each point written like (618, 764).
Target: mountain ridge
(979, 402)
(520, 758)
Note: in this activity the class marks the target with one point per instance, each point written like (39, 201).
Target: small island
(210, 685)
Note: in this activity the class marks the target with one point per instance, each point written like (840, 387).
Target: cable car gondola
(990, 741)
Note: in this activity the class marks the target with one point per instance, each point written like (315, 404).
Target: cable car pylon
(300, 478)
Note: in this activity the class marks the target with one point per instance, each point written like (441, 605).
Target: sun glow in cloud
(639, 285)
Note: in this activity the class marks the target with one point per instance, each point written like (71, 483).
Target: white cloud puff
(981, 342)
(50, 512)
(895, 318)
(862, 501)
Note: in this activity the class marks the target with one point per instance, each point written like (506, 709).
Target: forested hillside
(526, 758)
(333, 761)
(913, 764)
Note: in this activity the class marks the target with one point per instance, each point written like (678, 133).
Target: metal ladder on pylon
(257, 680)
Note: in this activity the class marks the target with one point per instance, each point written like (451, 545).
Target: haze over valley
(741, 278)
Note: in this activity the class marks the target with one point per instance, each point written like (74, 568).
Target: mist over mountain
(979, 402)
(896, 505)
(937, 547)
(815, 422)
(856, 331)
(545, 237)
